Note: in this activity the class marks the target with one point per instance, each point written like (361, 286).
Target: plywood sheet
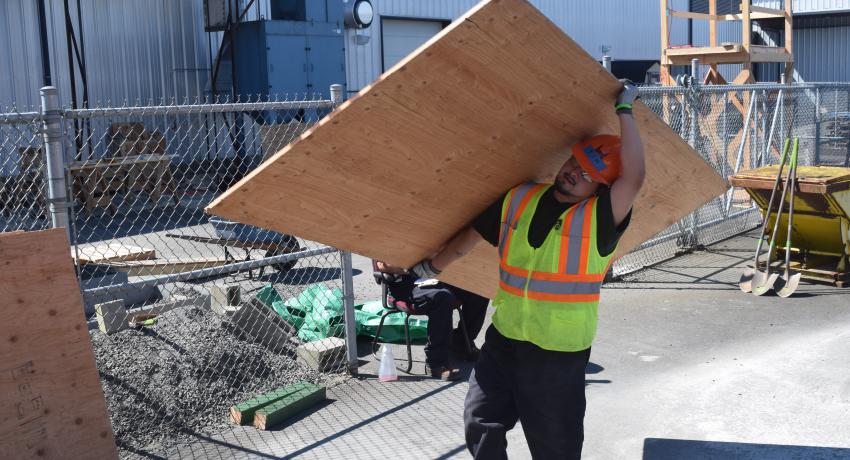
(114, 252)
(494, 100)
(51, 402)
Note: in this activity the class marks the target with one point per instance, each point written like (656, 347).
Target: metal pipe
(348, 313)
(23, 118)
(606, 62)
(747, 87)
(695, 70)
(57, 196)
(196, 109)
(740, 154)
(776, 112)
(336, 94)
(69, 31)
(47, 77)
(215, 271)
(817, 125)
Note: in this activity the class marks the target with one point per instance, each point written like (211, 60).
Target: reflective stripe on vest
(519, 199)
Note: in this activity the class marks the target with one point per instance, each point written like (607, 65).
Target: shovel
(788, 282)
(764, 281)
(746, 282)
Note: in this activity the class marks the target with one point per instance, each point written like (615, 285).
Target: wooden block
(273, 414)
(322, 355)
(131, 130)
(243, 413)
(111, 316)
(224, 297)
(113, 252)
(51, 401)
(493, 100)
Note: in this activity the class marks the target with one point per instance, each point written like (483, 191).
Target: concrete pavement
(684, 366)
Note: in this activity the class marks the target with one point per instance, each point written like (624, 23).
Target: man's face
(572, 183)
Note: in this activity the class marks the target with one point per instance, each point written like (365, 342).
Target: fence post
(606, 62)
(347, 281)
(57, 191)
(817, 126)
(348, 313)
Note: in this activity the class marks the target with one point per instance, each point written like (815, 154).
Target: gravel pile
(180, 376)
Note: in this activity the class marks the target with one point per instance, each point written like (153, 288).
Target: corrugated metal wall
(628, 29)
(823, 54)
(147, 50)
(20, 62)
(363, 62)
(135, 50)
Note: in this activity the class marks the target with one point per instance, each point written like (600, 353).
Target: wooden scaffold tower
(744, 53)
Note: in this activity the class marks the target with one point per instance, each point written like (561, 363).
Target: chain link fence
(735, 128)
(23, 191)
(222, 311)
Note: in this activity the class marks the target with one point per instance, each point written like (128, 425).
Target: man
(556, 243)
(437, 300)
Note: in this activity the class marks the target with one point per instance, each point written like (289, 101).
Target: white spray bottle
(386, 370)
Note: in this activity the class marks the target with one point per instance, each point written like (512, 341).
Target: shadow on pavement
(664, 449)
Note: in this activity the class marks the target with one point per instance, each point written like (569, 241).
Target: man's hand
(424, 269)
(627, 95)
(391, 269)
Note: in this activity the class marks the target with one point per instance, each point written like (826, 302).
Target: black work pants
(438, 301)
(517, 380)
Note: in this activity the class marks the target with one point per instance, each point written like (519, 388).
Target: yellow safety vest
(549, 295)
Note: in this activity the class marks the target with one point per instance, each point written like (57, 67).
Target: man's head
(594, 161)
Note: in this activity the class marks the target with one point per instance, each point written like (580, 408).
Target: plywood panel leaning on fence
(493, 100)
(51, 402)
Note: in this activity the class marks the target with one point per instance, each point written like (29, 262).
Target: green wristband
(623, 106)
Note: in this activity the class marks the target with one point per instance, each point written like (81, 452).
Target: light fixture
(359, 14)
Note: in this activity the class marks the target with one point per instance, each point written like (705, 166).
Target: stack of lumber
(132, 139)
(112, 252)
(270, 409)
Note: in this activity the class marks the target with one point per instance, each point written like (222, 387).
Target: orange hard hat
(599, 157)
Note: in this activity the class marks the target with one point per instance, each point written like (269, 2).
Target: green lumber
(289, 406)
(243, 413)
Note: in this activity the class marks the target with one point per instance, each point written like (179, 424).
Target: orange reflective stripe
(503, 252)
(531, 192)
(563, 297)
(510, 289)
(546, 276)
(568, 277)
(585, 231)
(516, 271)
(507, 208)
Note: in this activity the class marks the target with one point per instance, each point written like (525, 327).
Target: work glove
(627, 97)
(424, 269)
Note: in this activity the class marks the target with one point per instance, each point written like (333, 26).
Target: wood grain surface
(51, 401)
(493, 100)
